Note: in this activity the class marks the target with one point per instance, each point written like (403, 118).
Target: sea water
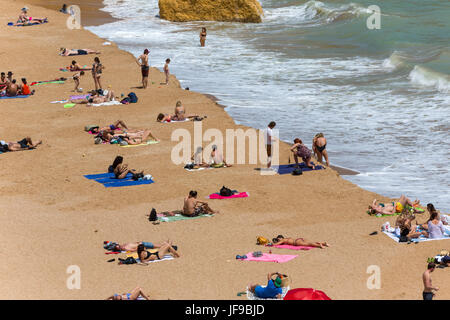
(380, 96)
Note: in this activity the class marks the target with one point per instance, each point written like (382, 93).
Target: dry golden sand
(51, 217)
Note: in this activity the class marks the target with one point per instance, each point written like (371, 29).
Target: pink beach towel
(270, 257)
(286, 246)
(237, 195)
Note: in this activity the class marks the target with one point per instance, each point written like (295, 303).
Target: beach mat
(237, 195)
(15, 97)
(288, 168)
(109, 103)
(141, 144)
(286, 246)
(394, 237)
(46, 82)
(109, 180)
(270, 257)
(135, 256)
(179, 217)
(11, 24)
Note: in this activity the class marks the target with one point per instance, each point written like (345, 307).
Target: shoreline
(68, 217)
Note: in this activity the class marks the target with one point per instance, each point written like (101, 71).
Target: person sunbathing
(95, 99)
(193, 207)
(164, 117)
(119, 125)
(12, 89)
(280, 240)
(165, 249)
(133, 295)
(24, 144)
(394, 207)
(76, 52)
(76, 67)
(132, 246)
(121, 169)
(25, 20)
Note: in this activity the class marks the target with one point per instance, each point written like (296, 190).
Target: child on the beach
(166, 70)
(76, 78)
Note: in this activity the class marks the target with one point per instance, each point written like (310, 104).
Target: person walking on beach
(203, 37)
(319, 148)
(143, 62)
(428, 293)
(166, 71)
(97, 69)
(269, 138)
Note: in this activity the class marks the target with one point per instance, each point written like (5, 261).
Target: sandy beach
(51, 217)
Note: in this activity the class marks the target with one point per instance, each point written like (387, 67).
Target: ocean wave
(422, 76)
(401, 59)
(316, 12)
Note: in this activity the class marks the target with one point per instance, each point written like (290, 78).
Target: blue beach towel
(109, 180)
(11, 24)
(288, 168)
(14, 97)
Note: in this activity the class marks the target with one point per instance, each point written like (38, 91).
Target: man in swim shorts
(23, 144)
(143, 62)
(428, 293)
(193, 207)
(271, 291)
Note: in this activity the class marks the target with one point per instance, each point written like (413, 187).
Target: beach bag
(225, 192)
(133, 98)
(262, 241)
(129, 260)
(189, 166)
(137, 176)
(153, 216)
(297, 172)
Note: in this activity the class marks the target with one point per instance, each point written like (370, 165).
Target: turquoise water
(381, 97)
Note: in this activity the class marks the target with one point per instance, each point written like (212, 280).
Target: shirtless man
(118, 125)
(138, 137)
(75, 52)
(193, 207)
(25, 143)
(132, 246)
(428, 289)
(12, 89)
(142, 61)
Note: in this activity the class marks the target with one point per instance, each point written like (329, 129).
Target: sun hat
(277, 282)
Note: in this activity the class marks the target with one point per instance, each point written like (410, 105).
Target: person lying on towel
(25, 20)
(133, 295)
(24, 144)
(394, 207)
(272, 290)
(131, 246)
(193, 207)
(165, 249)
(279, 240)
(76, 52)
(119, 125)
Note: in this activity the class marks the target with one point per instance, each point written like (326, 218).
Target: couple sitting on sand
(180, 115)
(125, 136)
(24, 144)
(432, 229)
(192, 207)
(216, 160)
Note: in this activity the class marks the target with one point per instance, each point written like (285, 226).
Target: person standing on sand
(76, 78)
(97, 69)
(166, 70)
(428, 293)
(203, 37)
(269, 138)
(143, 62)
(319, 148)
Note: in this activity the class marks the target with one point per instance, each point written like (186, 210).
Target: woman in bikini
(97, 69)
(77, 52)
(394, 207)
(166, 248)
(121, 169)
(302, 151)
(298, 242)
(403, 222)
(133, 295)
(319, 148)
(203, 37)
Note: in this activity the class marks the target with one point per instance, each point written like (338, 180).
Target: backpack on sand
(225, 192)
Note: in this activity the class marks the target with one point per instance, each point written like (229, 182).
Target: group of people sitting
(10, 88)
(24, 144)
(179, 115)
(119, 133)
(433, 228)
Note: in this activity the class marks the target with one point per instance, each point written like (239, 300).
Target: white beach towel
(394, 237)
(185, 120)
(251, 295)
(109, 103)
(166, 257)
